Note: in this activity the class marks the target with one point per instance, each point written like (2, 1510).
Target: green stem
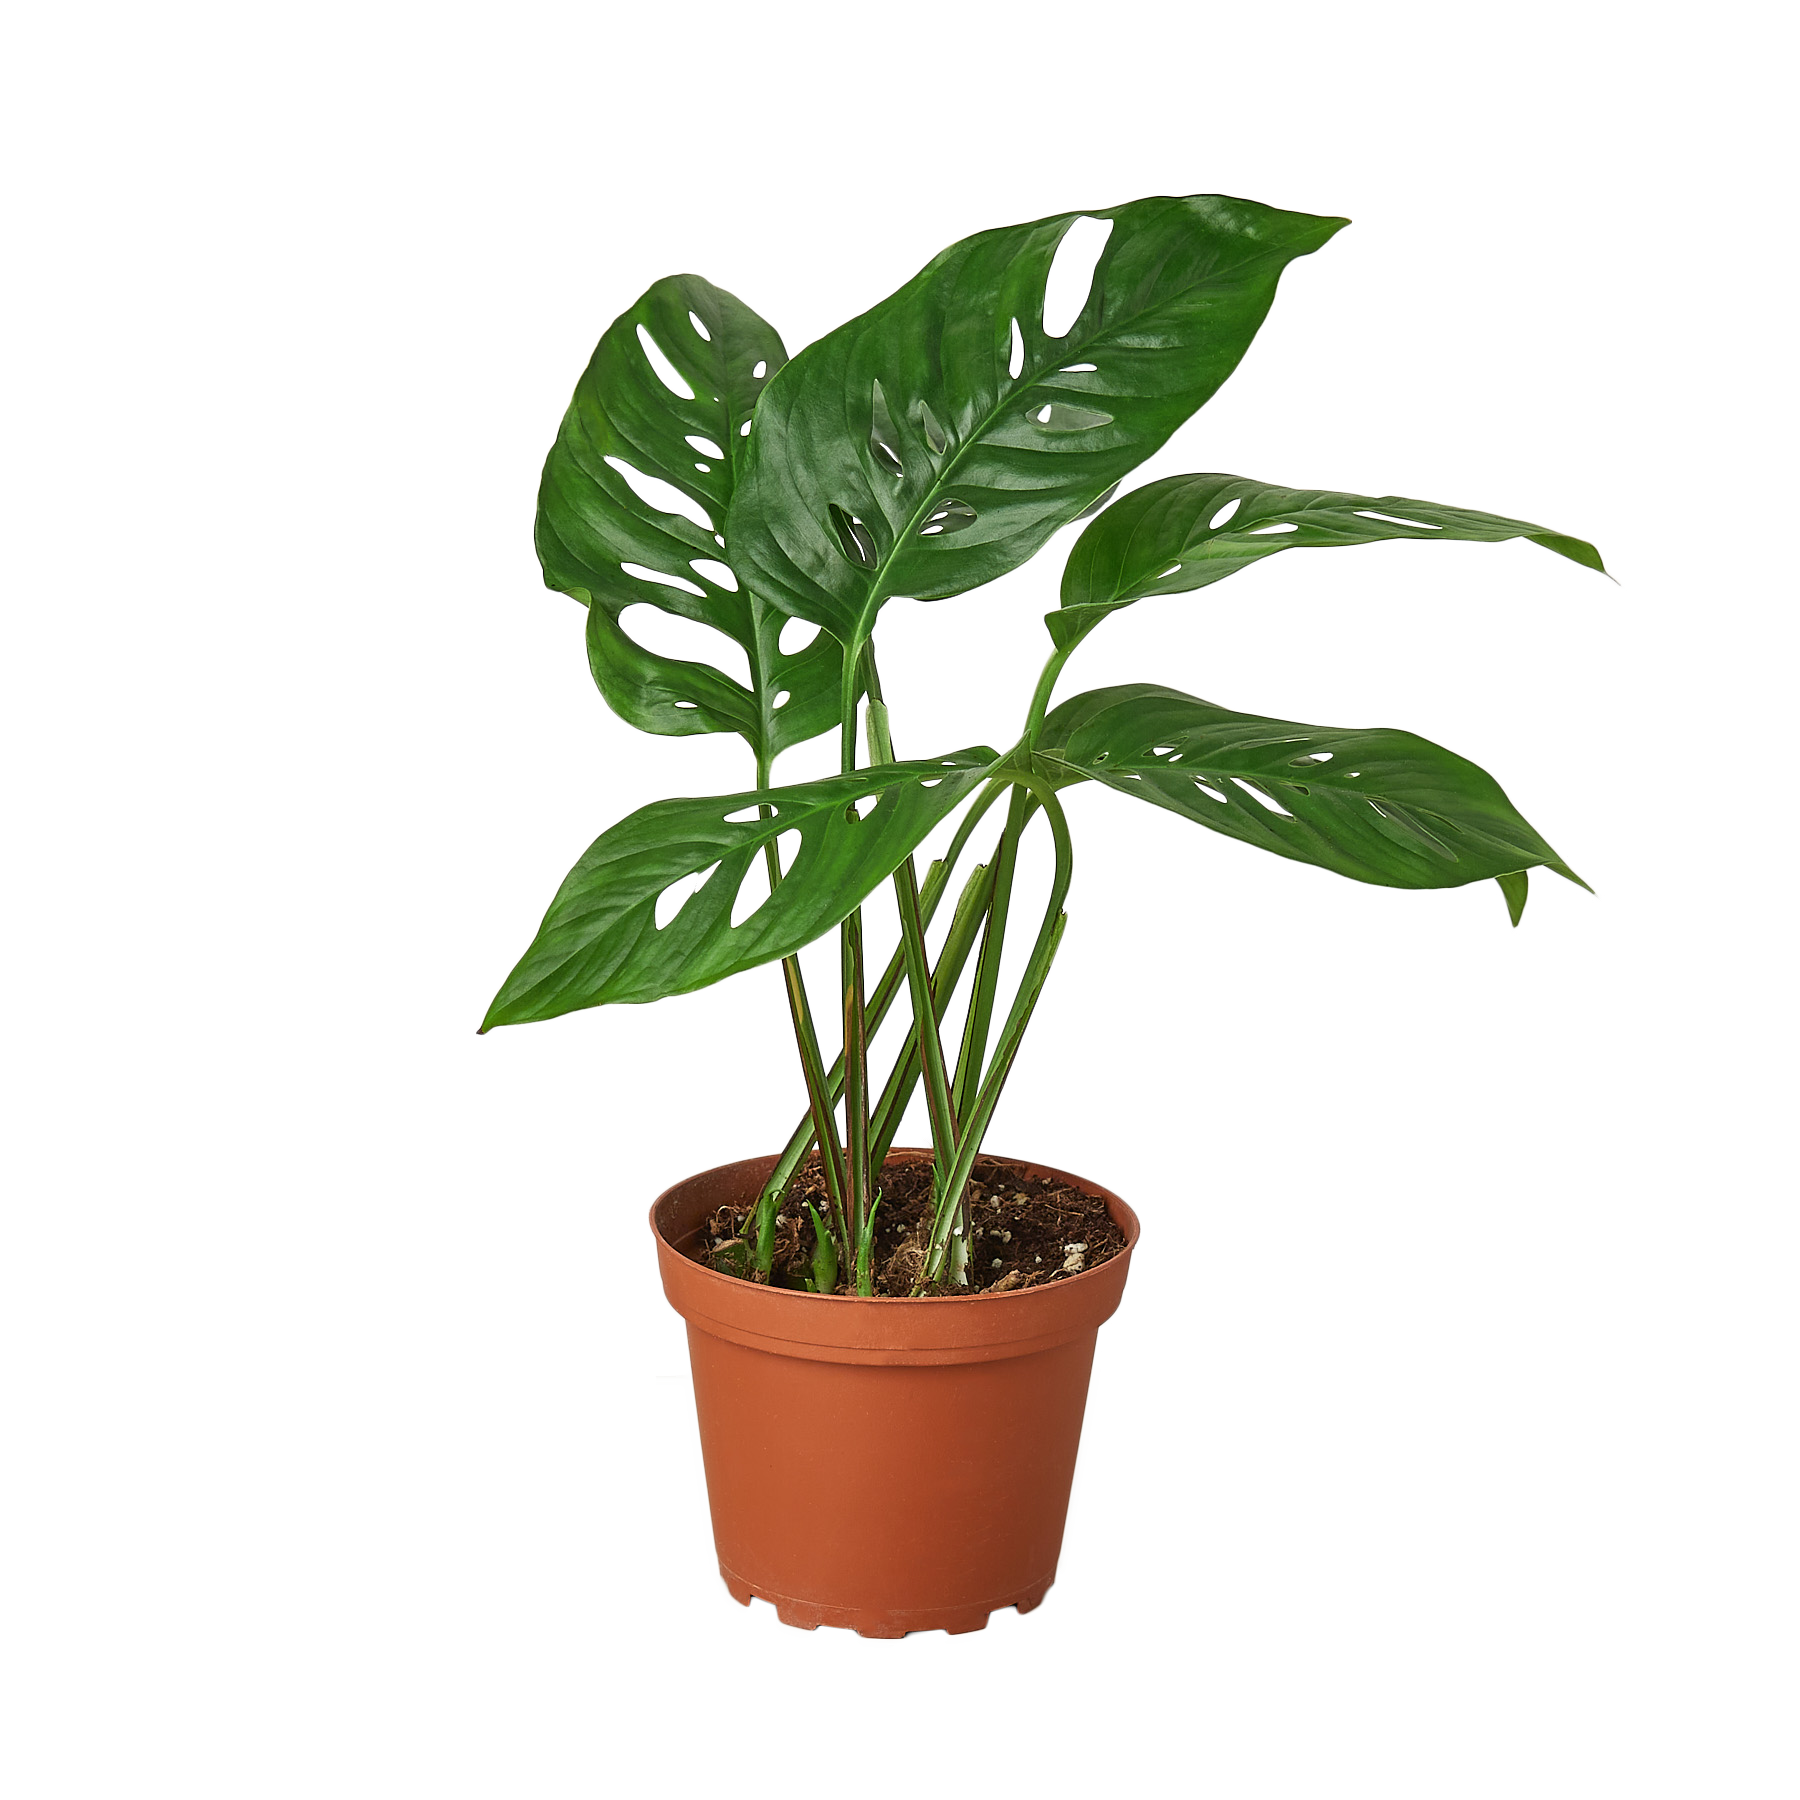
(856, 1085)
(820, 1100)
(925, 1024)
(825, 1256)
(937, 882)
(987, 970)
(1005, 1053)
(1040, 699)
(950, 1198)
(821, 1120)
(987, 973)
(850, 690)
(971, 907)
(856, 1043)
(937, 877)
(918, 965)
(959, 1256)
(865, 1252)
(979, 1018)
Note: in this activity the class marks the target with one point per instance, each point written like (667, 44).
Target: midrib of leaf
(737, 445)
(1222, 775)
(877, 588)
(1125, 560)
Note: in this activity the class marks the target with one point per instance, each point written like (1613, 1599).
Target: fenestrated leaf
(1189, 531)
(1379, 806)
(600, 941)
(593, 526)
(936, 441)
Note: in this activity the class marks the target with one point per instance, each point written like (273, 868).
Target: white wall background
(1354, 1122)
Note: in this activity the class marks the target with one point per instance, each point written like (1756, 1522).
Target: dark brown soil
(1026, 1231)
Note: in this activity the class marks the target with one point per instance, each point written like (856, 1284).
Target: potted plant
(891, 1347)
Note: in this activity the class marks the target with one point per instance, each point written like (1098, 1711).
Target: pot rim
(883, 1329)
(911, 1153)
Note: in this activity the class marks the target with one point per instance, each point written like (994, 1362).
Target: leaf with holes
(1189, 531)
(602, 941)
(936, 441)
(1378, 806)
(631, 510)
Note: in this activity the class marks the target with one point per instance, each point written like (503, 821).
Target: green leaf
(600, 942)
(594, 526)
(1516, 886)
(936, 441)
(1378, 806)
(1191, 530)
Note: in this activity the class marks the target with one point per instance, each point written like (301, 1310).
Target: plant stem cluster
(960, 1099)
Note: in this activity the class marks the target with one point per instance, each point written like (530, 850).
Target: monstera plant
(930, 445)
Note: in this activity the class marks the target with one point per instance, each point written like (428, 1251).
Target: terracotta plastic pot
(887, 1465)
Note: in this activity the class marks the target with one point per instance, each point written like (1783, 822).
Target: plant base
(884, 1465)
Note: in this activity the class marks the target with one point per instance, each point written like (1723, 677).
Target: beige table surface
(1300, 1503)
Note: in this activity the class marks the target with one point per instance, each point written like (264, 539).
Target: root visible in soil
(1025, 1231)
